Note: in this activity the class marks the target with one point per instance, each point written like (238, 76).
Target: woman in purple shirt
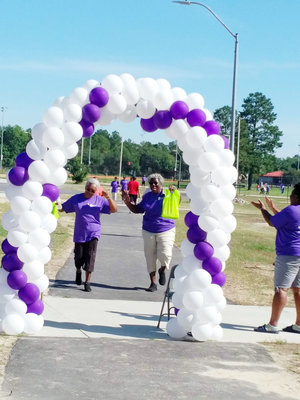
(87, 207)
(287, 263)
(158, 232)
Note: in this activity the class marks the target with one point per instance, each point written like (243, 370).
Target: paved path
(105, 344)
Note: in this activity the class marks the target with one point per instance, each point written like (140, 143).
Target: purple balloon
(219, 279)
(29, 293)
(203, 250)
(148, 124)
(196, 117)
(7, 247)
(99, 96)
(88, 129)
(226, 142)
(179, 110)
(23, 160)
(18, 176)
(37, 307)
(91, 113)
(51, 191)
(212, 265)
(11, 262)
(162, 119)
(195, 234)
(191, 219)
(212, 127)
(16, 279)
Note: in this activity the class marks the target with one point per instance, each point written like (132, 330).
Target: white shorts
(158, 246)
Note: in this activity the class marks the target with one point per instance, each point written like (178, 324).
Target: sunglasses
(154, 183)
(91, 190)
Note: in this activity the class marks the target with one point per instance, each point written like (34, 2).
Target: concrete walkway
(106, 344)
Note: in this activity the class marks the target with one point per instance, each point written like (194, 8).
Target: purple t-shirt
(287, 223)
(114, 186)
(124, 184)
(151, 205)
(87, 220)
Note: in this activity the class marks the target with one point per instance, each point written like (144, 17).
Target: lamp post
(235, 36)
(298, 156)
(3, 109)
(121, 156)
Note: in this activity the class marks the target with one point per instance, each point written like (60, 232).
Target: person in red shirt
(133, 190)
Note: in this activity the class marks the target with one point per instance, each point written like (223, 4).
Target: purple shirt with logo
(151, 205)
(114, 186)
(287, 223)
(124, 184)
(87, 220)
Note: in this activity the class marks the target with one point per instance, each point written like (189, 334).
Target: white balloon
(217, 238)
(39, 238)
(201, 332)
(148, 88)
(38, 171)
(37, 132)
(16, 237)
(53, 137)
(185, 319)
(187, 248)
(59, 101)
(106, 117)
(35, 150)
(12, 191)
(42, 206)
(53, 116)
(20, 204)
(79, 96)
(32, 189)
(129, 114)
(191, 156)
(212, 295)
(226, 157)
(207, 222)
(91, 84)
(221, 176)
(221, 304)
(208, 314)
(214, 143)
(145, 108)
(195, 100)
(16, 306)
(34, 270)
(222, 253)
(199, 279)
(58, 177)
(209, 161)
(42, 283)
(116, 104)
(44, 255)
(196, 137)
(229, 191)
(55, 158)
(163, 84)
(33, 323)
(72, 112)
(13, 324)
(9, 221)
(71, 150)
(192, 191)
(193, 300)
(3, 276)
(210, 193)
(221, 207)
(128, 79)
(174, 330)
(179, 94)
(228, 223)
(163, 99)
(179, 272)
(49, 222)
(131, 93)
(217, 333)
(191, 263)
(234, 174)
(29, 220)
(209, 116)
(177, 300)
(27, 252)
(177, 129)
(112, 83)
(6, 293)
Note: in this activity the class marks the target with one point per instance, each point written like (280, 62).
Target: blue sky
(48, 48)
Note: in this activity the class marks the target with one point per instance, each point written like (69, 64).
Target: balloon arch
(33, 185)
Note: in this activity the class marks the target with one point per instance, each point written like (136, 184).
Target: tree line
(259, 137)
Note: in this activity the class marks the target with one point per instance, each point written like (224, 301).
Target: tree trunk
(250, 177)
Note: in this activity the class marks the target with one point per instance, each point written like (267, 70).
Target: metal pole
(2, 134)
(90, 148)
(232, 130)
(121, 156)
(238, 149)
(298, 156)
(175, 167)
(81, 156)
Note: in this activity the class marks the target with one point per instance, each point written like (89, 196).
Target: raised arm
(113, 208)
(267, 216)
(271, 205)
(132, 207)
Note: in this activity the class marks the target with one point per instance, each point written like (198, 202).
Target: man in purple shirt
(158, 232)
(287, 264)
(87, 207)
(124, 184)
(114, 188)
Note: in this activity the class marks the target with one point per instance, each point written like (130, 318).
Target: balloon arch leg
(33, 185)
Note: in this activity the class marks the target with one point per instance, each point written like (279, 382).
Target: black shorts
(85, 255)
(133, 198)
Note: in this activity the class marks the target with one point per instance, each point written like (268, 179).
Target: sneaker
(152, 288)
(78, 280)
(87, 287)
(267, 328)
(162, 276)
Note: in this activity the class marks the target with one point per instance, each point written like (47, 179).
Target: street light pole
(3, 108)
(298, 156)
(121, 157)
(235, 36)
